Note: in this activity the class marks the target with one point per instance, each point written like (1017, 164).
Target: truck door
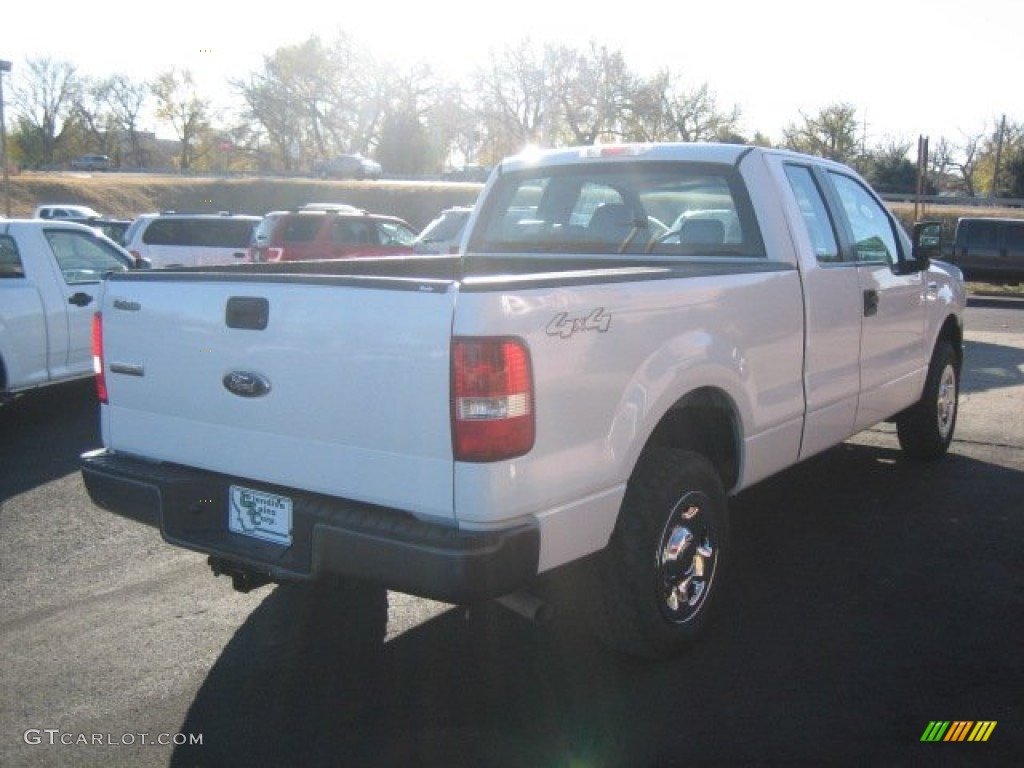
(82, 261)
(892, 354)
(833, 314)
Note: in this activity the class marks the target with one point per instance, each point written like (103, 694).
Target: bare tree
(959, 161)
(832, 133)
(694, 115)
(593, 89)
(45, 100)
(662, 109)
(514, 95)
(179, 104)
(126, 99)
(92, 111)
(454, 128)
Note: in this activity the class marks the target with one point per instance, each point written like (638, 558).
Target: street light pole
(5, 66)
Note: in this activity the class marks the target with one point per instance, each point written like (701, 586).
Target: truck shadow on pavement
(869, 595)
(43, 433)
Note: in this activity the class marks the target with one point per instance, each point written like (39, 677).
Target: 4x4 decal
(565, 326)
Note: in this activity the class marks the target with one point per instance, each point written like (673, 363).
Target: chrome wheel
(925, 430)
(947, 399)
(660, 577)
(685, 560)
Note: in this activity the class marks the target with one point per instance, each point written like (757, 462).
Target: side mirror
(927, 242)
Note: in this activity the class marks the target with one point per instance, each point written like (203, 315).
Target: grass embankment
(127, 195)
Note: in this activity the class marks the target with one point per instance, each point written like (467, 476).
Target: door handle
(870, 302)
(80, 299)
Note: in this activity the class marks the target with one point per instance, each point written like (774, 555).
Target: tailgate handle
(250, 313)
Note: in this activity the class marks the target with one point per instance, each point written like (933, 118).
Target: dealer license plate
(261, 515)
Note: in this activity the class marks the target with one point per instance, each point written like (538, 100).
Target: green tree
(314, 100)
(179, 104)
(404, 144)
(1015, 174)
(890, 170)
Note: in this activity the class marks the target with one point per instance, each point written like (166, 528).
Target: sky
(937, 68)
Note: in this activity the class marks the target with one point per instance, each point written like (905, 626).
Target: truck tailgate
(327, 384)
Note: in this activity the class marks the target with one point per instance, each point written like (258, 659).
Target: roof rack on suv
(329, 208)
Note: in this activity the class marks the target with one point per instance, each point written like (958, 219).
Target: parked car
(91, 163)
(190, 239)
(261, 235)
(115, 229)
(443, 234)
(990, 250)
(348, 167)
(306, 235)
(65, 211)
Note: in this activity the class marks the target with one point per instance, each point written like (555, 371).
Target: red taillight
(492, 399)
(97, 356)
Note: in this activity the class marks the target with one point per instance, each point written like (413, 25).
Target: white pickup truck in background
(628, 335)
(50, 276)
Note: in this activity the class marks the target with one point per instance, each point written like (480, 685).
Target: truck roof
(692, 152)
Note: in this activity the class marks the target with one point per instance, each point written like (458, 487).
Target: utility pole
(922, 174)
(994, 186)
(5, 66)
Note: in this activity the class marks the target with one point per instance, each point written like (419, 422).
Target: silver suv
(190, 239)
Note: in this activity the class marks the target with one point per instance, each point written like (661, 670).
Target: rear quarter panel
(609, 360)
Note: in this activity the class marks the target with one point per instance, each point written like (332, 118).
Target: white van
(190, 239)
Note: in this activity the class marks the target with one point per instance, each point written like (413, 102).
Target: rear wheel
(925, 430)
(660, 575)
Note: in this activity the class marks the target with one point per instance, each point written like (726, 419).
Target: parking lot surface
(870, 597)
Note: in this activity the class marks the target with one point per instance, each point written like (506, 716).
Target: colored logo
(958, 730)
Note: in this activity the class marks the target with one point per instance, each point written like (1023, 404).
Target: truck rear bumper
(329, 535)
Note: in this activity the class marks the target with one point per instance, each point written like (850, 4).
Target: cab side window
(10, 260)
(870, 226)
(81, 257)
(814, 214)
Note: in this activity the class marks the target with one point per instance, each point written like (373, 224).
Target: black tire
(925, 430)
(661, 574)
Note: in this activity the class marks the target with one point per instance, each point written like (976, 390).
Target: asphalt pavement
(870, 597)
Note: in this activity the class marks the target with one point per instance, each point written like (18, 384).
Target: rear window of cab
(654, 209)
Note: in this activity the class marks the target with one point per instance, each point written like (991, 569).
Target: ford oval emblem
(246, 384)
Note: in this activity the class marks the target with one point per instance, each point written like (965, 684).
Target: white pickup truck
(50, 276)
(628, 335)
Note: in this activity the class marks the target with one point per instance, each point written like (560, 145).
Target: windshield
(661, 209)
(447, 226)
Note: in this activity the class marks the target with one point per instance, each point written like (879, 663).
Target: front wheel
(925, 430)
(661, 573)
